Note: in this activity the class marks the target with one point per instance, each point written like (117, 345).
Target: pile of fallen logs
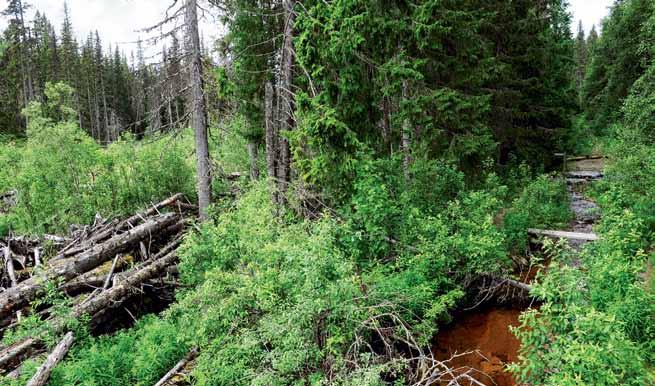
(97, 268)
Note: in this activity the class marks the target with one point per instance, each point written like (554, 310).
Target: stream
(484, 333)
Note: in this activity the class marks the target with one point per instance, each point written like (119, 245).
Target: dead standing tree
(198, 110)
(286, 102)
(188, 13)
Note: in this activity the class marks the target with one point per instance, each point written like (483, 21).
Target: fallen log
(123, 285)
(122, 225)
(518, 284)
(67, 269)
(179, 366)
(121, 289)
(563, 234)
(43, 373)
(15, 351)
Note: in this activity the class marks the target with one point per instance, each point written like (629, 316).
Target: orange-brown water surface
(486, 331)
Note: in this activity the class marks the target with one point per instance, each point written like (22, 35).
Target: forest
(329, 192)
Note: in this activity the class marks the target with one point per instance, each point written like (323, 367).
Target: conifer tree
(581, 56)
(618, 60)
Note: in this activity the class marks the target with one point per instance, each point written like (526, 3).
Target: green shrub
(596, 326)
(63, 177)
(138, 356)
(544, 203)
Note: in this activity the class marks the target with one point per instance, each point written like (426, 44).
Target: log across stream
(484, 332)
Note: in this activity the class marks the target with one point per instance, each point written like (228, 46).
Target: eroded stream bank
(480, 340)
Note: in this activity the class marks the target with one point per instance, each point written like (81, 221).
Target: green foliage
(620, 58)
(628, 186)
(639, 110)
(139, 357)
(277, 304)
(596, 323)
(62, 177)
(271, 302)
(472, 80)
(543, 204)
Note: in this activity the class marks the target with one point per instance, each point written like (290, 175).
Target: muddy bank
(488, 332)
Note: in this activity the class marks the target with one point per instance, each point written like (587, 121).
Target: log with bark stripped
(43, 373)
(178, 367)
(68, 269)
(120, 226)
(121, 290)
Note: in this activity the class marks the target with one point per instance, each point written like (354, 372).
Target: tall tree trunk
(386, 123)
(286, 102)
(198, 111)
(271, 141)
(253, 153)
(406, 136)
(26, 56)
(104, 107)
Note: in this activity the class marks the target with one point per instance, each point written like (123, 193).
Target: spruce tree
(618, 60)
(581, 56)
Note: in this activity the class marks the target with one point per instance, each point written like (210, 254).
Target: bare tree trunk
(286, 100)
(43, 373)
(386, 121)
(26, 56)
(406, 136)
(253, 153)
(271, 141)
(198, 110)
(170, 108)
(104, 106)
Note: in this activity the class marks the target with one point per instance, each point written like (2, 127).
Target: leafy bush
(63, 177)
(596, 324)
(544, 203)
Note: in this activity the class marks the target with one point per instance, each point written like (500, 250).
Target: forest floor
(484, 333)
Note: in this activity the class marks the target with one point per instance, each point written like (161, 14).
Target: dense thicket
(596, 324)
(63, 177)
(400, 143)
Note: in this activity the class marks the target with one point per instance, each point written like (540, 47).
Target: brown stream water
(485, 332)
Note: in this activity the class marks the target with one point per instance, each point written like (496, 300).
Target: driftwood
(43, 373)
(68, 269)
(179, 366)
